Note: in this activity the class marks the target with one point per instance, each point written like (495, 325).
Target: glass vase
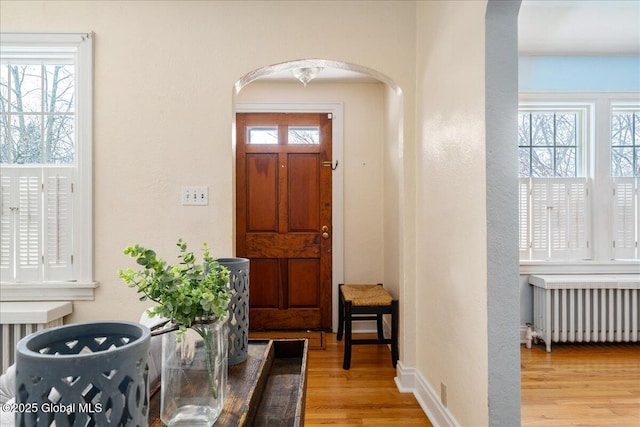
(194, 374)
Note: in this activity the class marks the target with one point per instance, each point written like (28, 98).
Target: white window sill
(579, 267)
(62, 291)
(34, 312)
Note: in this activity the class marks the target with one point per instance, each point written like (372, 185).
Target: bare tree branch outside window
(308, 135)
(37, 120)
(625, 143)
(548, 144)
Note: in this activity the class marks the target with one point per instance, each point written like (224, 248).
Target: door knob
(325, 235)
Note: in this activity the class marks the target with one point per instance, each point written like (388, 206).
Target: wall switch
(198, 196)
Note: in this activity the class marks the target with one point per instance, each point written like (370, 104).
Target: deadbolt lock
(325, 228)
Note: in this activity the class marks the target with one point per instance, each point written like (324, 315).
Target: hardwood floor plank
(581, 385)
(365, 395)
(574, 385)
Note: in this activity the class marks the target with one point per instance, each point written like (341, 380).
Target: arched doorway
(277, 90)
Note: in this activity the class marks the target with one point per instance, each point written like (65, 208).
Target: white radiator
(18, 319)
(586, 308)
(12, 333)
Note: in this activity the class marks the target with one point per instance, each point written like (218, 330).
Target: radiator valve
(531, 335)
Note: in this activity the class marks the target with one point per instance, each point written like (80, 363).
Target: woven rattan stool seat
(366, 295)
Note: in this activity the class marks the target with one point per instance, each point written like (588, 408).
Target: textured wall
(451, 230)
(164, 78)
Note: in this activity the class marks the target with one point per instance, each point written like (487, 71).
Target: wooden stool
(354, 304)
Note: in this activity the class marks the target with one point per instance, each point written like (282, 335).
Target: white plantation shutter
(524, 215)
(539, 219)
(625, 218)
(558, 221)
(58, 224)
(7, 226)
(28, 264)
(578, 219)
(558, 218)
(36, 226)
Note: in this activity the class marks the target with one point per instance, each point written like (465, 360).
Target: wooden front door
(283, 217)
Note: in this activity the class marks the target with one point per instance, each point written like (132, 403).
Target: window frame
(554, 253)
(630, 183)
(597, 161)
(81, 285)
(583, 111)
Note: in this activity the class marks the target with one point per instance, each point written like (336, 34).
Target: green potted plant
(194, 298)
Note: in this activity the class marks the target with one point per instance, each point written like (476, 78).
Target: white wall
(164, 77)
(163, 114)
(451, 284)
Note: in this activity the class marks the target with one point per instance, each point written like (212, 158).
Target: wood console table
(268, 389)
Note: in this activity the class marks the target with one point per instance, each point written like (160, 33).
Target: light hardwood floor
(364, 395)
(581, 385)
(574, 385)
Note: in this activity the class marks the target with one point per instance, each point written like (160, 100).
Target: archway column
(503, 294)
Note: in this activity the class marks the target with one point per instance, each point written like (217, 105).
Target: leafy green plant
(187, 292)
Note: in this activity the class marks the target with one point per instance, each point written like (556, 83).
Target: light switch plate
(195, 196)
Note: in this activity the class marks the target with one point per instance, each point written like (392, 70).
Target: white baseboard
(370, 327)
(410, 380)
(364, 327)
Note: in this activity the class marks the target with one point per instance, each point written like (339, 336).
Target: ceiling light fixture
(306, 74)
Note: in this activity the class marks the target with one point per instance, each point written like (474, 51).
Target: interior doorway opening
(366, 206)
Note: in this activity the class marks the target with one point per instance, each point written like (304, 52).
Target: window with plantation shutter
(625, 172)
(553, 195)
(45, 151)
(579, 173)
